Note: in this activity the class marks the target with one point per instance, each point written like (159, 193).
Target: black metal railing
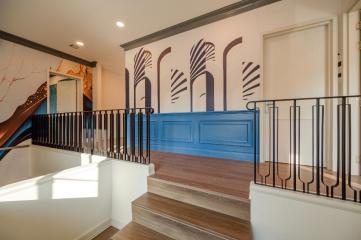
(309, 145)
(120, 133)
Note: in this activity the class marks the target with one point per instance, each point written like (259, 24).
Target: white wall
(46, 160)
(283, 215)
(129, 183)
(65, 205)
(76, 203)
(16, 165)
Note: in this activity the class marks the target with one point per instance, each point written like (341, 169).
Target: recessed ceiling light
(120, 24)
(80, 44)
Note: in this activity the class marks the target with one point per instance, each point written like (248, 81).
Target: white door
(296, 65)
(67, 96)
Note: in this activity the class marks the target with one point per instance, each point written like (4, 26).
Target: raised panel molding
(227, 135)
(219, 132)
(177, 131)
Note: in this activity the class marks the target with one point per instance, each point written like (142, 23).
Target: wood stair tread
(216, 223)
(240, 193)
(135, 231)
(166, 180)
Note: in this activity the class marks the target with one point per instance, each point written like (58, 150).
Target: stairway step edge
(208, 231)
(218, 194)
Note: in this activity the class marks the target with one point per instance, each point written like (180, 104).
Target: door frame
(79, 79)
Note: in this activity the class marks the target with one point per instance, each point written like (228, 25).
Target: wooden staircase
(175, 211)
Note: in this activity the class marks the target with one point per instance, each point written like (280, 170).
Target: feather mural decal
(178, 84)
(200, 53)
(142, 60)
(251, 79)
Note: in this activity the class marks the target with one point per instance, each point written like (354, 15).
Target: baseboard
(118, 224)
(95, 231)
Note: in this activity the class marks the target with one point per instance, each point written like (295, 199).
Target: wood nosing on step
(205, 230)
(244, 200)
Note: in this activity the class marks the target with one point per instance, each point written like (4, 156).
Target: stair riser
(214, 202)
(170, 227)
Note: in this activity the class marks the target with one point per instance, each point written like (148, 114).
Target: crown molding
(219, 14)
(27, 43)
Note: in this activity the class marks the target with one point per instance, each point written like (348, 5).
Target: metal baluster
(132, 135)
(111, 142)
(148, 113)
(294, 145)
(118, 133)
(106, 133)
(343, 148)
(125, 135)
(140, 136)
(255, 162)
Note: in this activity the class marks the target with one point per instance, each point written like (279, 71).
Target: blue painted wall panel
(226, 135)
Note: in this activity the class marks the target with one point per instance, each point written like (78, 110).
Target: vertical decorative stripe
(228, 48)
(160, 58)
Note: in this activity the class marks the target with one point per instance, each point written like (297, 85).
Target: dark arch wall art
(215, 67)
(212, 82)
(142, 60)
(200, 54)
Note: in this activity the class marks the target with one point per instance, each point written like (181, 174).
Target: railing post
(132, 135)
(343, 147)
(118, 133)
(111, 142)
(294, 145)
(318, 146)
(148, 113)
(125, 135)
(255, 163)
(140, 136)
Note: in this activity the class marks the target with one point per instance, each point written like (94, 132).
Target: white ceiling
(57, 23)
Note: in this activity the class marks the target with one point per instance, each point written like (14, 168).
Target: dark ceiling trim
(222, 13)
(25, 42)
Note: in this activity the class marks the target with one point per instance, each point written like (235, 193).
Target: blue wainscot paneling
(226, 135)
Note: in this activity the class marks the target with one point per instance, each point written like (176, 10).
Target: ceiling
(58, 23)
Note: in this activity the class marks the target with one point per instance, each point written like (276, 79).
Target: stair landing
(212, 174)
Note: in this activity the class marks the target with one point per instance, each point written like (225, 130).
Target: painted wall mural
(198, 84)
(225, 55)
(23, 88)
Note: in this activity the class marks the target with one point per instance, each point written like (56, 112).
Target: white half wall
(283, 215)
(15, 166)
(46, 160)
(129, 183)
(77, 203)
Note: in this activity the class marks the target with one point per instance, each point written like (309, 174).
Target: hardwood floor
(135, 231)
(210, 222)
(233, 177)
(107, 233)
(213, 174)
(192, 197)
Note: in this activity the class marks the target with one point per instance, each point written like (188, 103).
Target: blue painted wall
(226, 135)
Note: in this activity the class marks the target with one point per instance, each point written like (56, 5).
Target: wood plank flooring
(233, 177)
(224, 226)
(213, 174)
(227, 177)
(107, 233)
(134, 231)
